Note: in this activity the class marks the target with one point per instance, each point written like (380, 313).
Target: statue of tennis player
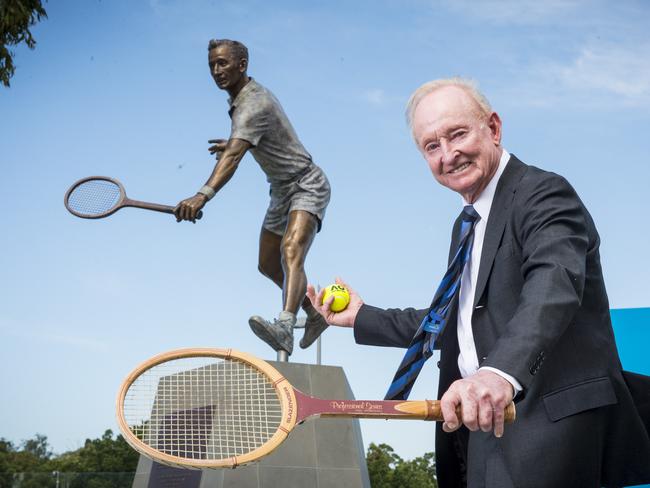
(300, 191)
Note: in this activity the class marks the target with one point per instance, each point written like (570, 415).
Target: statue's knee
(293, 252)
(290, 251)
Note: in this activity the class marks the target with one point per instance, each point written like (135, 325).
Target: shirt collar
(242, 93)
(483, 203)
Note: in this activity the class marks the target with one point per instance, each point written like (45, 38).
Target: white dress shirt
(467, 359)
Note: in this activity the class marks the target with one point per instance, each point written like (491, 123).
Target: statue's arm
(226, 165)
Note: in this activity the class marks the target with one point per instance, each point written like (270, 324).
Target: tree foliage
(387, 470)
(109, 462)
(16, 17)
(106, 462)
(32, 456)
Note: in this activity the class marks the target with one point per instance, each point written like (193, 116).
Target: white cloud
(516, 11)
(607, 75)
(375, 96)
(620, 71)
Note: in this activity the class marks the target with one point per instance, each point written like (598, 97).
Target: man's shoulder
(534, 187)
(530, 175)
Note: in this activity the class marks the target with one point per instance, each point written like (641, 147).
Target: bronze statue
(299, 193)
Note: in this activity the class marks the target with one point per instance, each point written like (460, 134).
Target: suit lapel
(499, 212)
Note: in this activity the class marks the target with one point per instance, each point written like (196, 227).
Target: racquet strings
(94, 197)
(202, 408)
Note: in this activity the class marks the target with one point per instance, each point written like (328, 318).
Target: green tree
(6, 451)
(30, 460)
(388, 470)
(101, 463)
(106, 462)
(16, 17)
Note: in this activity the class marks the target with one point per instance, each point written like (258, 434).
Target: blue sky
(122, 88)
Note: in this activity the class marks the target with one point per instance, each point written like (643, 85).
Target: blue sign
(632, 331)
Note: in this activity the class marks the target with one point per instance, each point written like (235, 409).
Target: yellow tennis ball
(341, 297)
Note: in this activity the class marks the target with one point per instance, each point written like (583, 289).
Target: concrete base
(321, 453)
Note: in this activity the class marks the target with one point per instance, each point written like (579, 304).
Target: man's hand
(344, 318)
(189, 208)
(218, 146)
(482, 399)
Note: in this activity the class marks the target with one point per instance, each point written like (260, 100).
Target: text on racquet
(96, 197)
(215, 408)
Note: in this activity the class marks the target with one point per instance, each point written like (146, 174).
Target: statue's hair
(236, 47)
(470, 87)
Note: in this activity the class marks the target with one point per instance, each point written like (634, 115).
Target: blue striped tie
(422, 344)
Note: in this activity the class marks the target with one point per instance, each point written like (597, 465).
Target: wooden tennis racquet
(96, 197)
(215, 408)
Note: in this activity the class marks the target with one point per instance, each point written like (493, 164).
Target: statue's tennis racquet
(214, 408)
(96, 197)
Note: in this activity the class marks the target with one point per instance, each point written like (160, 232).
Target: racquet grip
(430, 410)
(509, 413)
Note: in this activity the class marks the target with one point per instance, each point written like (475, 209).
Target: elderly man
(521, 313)
(299, 192)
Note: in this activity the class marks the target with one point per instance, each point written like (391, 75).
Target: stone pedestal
(320, 453)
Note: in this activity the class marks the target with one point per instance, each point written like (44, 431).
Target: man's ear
(494, 123)
(243, 65)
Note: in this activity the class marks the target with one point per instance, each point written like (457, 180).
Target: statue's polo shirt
(257, 117)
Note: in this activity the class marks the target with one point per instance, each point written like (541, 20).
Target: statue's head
(228, 61)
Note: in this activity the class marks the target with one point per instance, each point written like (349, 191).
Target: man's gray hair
(237, 48)
(469, 86)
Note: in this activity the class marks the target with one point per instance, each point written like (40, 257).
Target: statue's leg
(301, 230)
(270, 262)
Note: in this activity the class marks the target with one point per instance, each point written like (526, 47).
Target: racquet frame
(296, 407)
(123, 201)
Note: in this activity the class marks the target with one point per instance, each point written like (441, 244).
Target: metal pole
(318, 351)
(283, 356)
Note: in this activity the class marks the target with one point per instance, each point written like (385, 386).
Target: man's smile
(460, 168)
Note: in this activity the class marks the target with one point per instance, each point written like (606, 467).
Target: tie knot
(469, 214)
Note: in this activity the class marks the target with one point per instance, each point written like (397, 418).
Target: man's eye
(459, 134)
(432, 146)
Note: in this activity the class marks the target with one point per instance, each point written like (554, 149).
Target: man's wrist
(516, 386)
(207, 191)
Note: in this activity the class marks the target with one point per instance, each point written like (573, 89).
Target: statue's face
(225, 68)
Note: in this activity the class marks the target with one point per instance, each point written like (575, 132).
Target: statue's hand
(218, 146)
(189, 208)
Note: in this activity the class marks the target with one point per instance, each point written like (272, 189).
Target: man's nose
(447, 150)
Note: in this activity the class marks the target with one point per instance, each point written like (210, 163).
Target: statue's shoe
(277, 334)
(314, 327)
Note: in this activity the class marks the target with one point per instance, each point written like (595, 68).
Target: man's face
(225, 68)
(461, 146)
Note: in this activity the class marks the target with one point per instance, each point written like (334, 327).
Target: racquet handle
(156, 207)
(382, 409)
(430, 410)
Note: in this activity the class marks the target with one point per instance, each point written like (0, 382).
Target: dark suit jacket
(541, 314)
